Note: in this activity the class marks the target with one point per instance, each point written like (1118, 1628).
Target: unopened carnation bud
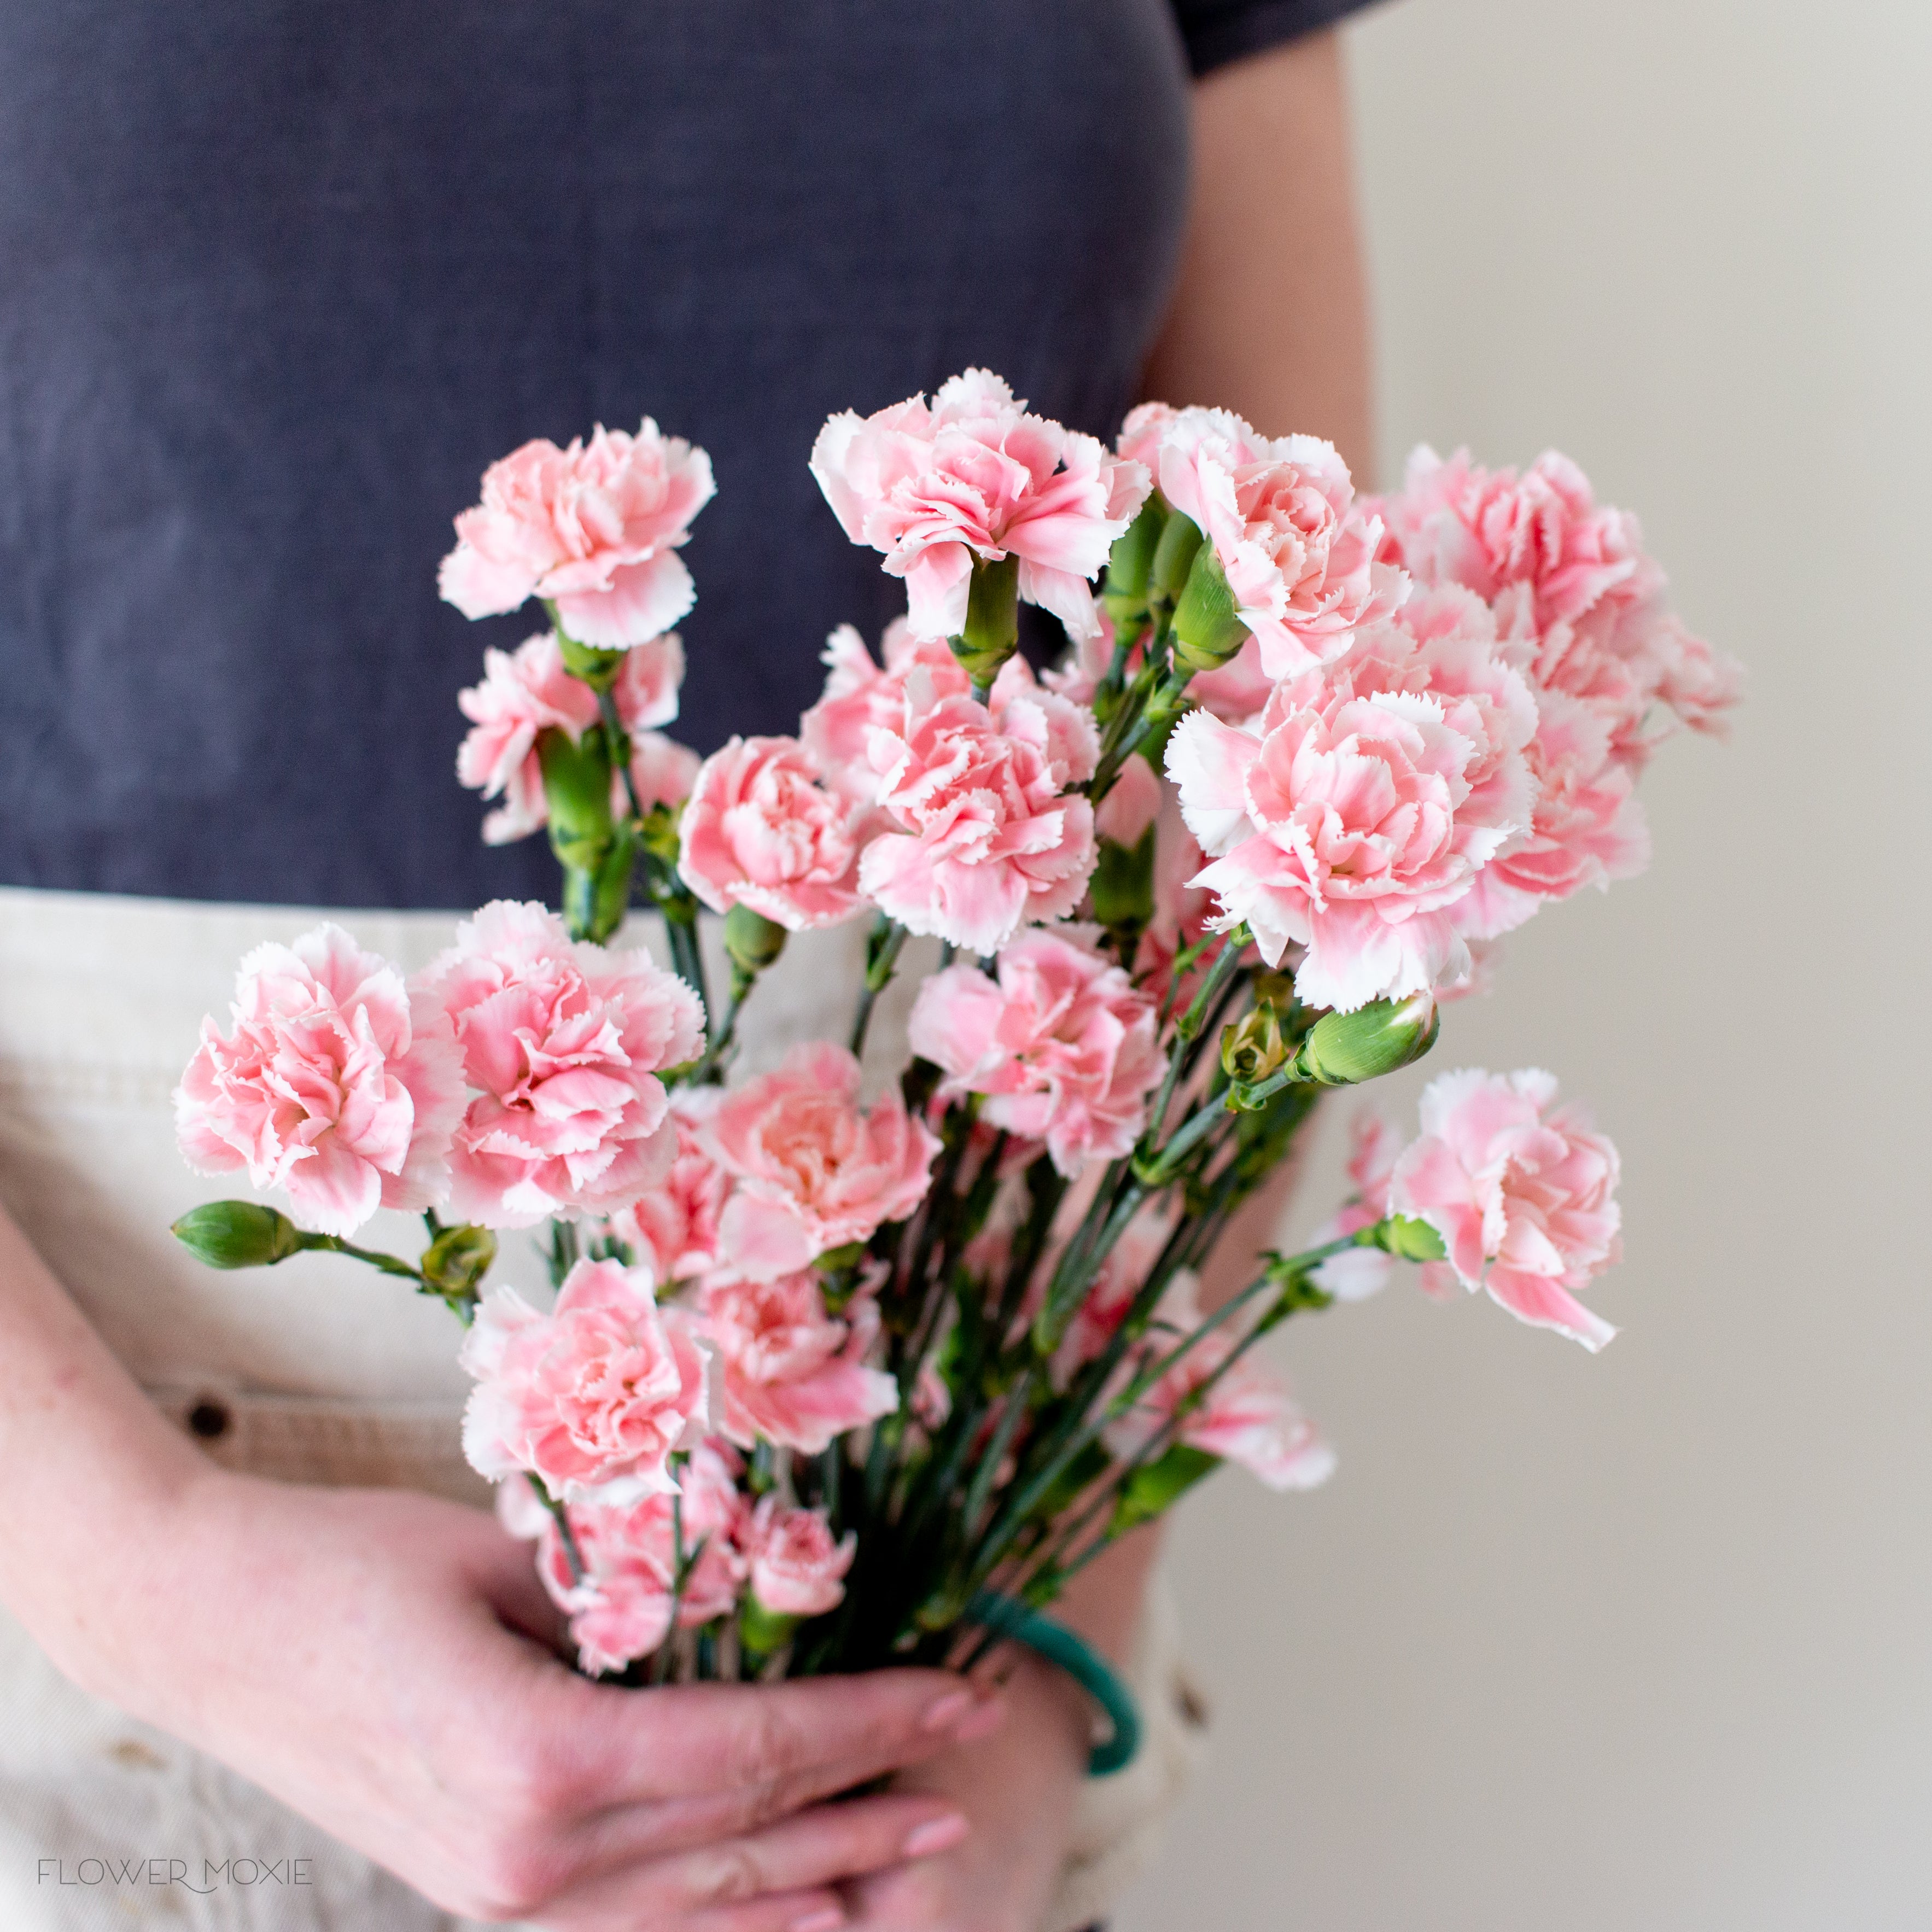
(751, 940)
(761, 1631)
(456, 1261)
(1345, 1048)
(237, 1234)
(1408, 1239)
(992, 631)
(1208, 629)
(577, 792)
(1173, 557)
(1130, 562)
(1255, 1047)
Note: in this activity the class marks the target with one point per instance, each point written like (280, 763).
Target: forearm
(94, 1471)
(1270, 317)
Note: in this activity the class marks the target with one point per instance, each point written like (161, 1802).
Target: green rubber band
(1058, 1644)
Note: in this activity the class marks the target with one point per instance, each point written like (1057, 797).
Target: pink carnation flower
(1521, 1191)
(672, 1227)
(792, 1373)
(861, 697)
(1350, 826)
(994, 840)
(1063, 1045)
(1299, 555)
(1570, 581)
(662, 771)
(593, 529)
(1132, 803)
(797, 1570)
(811, 1171)
(759, 831)
(528, 690)
(565, 1042)
(972, 474)
(591, 1398)
(335, 1084)
(1247, 1417)
(620, 1609)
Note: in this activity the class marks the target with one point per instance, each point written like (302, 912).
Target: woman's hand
(381, 1661)
(1016, 1790)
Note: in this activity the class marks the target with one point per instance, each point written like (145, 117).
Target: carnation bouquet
(826, 1377)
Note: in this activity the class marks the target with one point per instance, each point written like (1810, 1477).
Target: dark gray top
(277, 280)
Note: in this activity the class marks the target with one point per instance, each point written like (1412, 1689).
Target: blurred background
(1643, 1640)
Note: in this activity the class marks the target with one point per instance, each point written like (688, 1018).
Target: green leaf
(1154, 1488)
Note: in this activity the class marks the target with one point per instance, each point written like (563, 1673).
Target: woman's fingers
(612, 1746)
(806, 1853)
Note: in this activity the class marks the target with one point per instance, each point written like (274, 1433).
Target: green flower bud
(1123, 884)
(237, 1234)
(1174, 556)
(992, 632)
(1253, 1048)
(456, 1261)
(1207, 631)
(1130, 562)
(761, 1631)
(751, 940)
(1409, 1239)
(1345, 1048)
(577, 791)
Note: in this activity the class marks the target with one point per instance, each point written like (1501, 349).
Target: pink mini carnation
(672, 1227)
(662, 772)
(861, 697)
(973, 474)
(593, 529)
(759, 831)
(797, 1570)
(811, 1171)
(793, 1373)
(1298, 554)
(620, 1608)
(591, 1398)
(1521, 1191)
(565, 1042)
(528, 690)
(1570, 580)
(1063, 1045)
(334, 1084)
(994, 841)
(1350, 826)
(1247, 1417)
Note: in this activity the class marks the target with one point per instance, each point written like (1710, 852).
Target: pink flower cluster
(593, 529)
(337, 1084)
(621, 1607)
(1062, 1043)
(1297, 550)
(591, 1399)
(973, 474)
(527, 691)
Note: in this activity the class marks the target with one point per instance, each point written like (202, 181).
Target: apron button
(209, 1419)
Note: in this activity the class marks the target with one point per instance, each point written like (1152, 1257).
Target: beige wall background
(1645, 1641)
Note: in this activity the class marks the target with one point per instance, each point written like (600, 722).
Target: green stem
(388, 1263)
(572, 1554)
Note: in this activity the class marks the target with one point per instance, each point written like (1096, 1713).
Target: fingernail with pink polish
(935, 1835)
(826, 1918)
(982, 1721)
(948, 1711)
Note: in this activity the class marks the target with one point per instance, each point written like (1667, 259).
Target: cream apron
(316, 1371)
